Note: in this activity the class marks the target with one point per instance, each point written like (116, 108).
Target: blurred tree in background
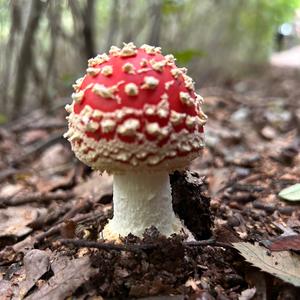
(45, 44)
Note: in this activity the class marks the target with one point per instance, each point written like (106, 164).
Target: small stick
(77, 219)
(7, 173)
(20, 199)
(35, 126)
(107, 246)
(81, 205)
(209, 242)
(135, 247)
(39, 146)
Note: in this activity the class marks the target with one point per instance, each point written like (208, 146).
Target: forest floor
(52, 208)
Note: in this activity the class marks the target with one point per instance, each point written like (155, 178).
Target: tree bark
(88, 29)
(16, 17)
(156, 11)
(113, 24)
(54, 19)
(25, 56)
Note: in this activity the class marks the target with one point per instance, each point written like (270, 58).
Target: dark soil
(189, 196)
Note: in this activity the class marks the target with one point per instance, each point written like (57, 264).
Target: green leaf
(292, 193)
(185, 56)
(284, 264)
(3, 119)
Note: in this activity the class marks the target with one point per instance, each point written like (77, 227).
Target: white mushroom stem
(142, 200)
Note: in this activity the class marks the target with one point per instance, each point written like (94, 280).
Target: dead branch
(52, 216)
(39, 125)
(40, 146)
(80, 206)
(108, 246)
(135, 247)
(209, 242)
(7, 173)
(77, 219)
(20, 199)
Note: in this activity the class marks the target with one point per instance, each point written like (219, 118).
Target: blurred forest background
(45, 44)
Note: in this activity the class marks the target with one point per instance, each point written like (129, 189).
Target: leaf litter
(284, 264)
(230, 197)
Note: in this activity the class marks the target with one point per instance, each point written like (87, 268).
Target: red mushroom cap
(135, 108)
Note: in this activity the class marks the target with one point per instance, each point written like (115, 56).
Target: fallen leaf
(96, 186)
(66, 280)
(48, 184)
(10, 190)
(36, 263)
(31, 136)
(6, 290)
(54, 156)
(291, 193)
(284, 265)
(247, 294)
(284, 243)
(218, 180)
(14, 220)
(24, 245)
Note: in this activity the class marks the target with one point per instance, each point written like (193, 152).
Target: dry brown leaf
(48, 184)
(283, 243)
(6, 290)
(284, 265)
(96, 186)
(14, 221)
(10, 190)
(36, 263)
(31, 136)
(218, 180)
(66, 280)
(54, 156)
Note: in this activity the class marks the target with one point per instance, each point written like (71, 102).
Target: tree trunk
(25, 56)
(156, 11)
(88, 28)
(16, 18)
(54, 18)
(113, 24)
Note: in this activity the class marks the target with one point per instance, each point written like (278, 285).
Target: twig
(48, 125)
(108, 246)
(81, 205)
(78, 219)
(7, 173)
(20, 199)
(246, 188)
(136, 247)
(42, 221)
(209, 242)
(40, 146)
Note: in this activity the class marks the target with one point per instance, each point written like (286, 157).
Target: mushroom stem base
(142, 200)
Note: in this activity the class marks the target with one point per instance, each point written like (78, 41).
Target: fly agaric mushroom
(136, 115)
